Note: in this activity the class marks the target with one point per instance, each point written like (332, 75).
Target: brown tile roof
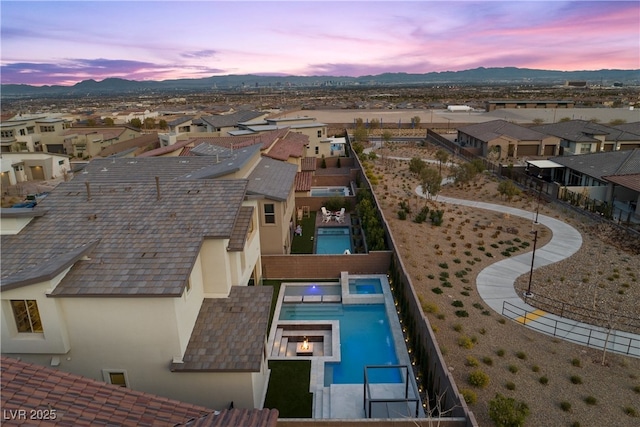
(168, 149)
(107, 133)
(240, 230)
(217, 345)
(309, 164)
(83, 401)
(631, 181)
(303, 181)
(292, 145)
(273, 179)
(139, 142)
(146, 247)
(238, 418)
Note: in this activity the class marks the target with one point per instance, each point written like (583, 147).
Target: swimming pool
(330, 191)
(365, 286)
(333, 240)
(312, 289)
(365, 337)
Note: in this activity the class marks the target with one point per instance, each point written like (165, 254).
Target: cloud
(73, 70)
(208, 53)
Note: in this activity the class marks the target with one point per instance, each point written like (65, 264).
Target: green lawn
(288, 390)
(304, 244)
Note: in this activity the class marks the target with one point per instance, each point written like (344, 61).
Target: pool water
(365, 337)
(365, 286)
(312, 289)
(329, 191)
(333, 240)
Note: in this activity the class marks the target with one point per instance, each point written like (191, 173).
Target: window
(269, 213)
(31, 129)
(319, 134)
(115, 377)
(27, 316)
(317, 150)
(585, 148)
(6, 133)
(47, 128)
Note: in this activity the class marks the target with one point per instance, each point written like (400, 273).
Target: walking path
(495, 285)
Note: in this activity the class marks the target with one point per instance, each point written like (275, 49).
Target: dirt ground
(542, 371)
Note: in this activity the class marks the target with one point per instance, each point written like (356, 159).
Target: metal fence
(580, 333)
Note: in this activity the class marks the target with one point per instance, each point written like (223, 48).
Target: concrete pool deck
(345, 401)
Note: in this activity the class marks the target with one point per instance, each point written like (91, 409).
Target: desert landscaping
(562, 384)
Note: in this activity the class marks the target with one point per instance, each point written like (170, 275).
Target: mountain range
(502, 75)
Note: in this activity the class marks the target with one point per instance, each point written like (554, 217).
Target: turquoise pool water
(365, 337)
(330, 191)
(312, 289)
(333, 240)
(365, 286)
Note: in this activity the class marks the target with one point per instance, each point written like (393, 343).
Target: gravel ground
(542, 371)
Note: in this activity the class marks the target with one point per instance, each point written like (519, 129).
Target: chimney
(158, 187)
(88, 190)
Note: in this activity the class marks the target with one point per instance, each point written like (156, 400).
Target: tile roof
(602, 164)
(216, 344)
(241, 229)
(225, 161)
(157, 152)
(303, 181)
(488, 131)
(141, 168)
(229, 120)
(146, 246)
(83, 401)
(107, 133)
(309, 164)
(79, 401)
(582, 131)
(633, 127)
(180, 120)
(139, 142)
(631, 181)
(292, 145)
(272, 178)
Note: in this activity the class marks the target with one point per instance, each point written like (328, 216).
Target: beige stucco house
(31, 133)
(148, 291)
(87, 142)
(32, 166)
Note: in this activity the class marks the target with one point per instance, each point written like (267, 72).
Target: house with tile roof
(507, 139)
(33, 133)
(584, 137)
(90, 141)
(141, 283)
(32, 166)
(611, 177)
(71, 400)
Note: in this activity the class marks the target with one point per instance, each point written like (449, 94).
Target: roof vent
(104, 170)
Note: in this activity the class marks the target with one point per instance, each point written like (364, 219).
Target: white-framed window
(47, 129)
(585, 148)
(115, 377)
(27, 316)
(319, 133)
(269, 213)
(7, 133)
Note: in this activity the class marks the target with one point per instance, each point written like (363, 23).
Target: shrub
(457, 303)
(472, 361)
(429, 307)
(465, 342)
(637, 389)
(590, 400)
(478, 378)
(462, 313)
(576, 379)
(446, 284)
(457, 327)
(469, 395)
(630, 410)
(576, 362)
(510, 385)
(543, 380)
(535, 368)
(487, 361)
(521, 355)
(402, 215)
(507, 412)
(478, 306)
(565, 406)
(436, 290)
(443, 265)
(513, 369)
(444, 275)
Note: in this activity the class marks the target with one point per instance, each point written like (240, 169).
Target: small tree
(149, 123)
(162, 124)
(507, 412)
(430, 180)
(442, 156)
(386, 136)
(508, 189)
(108, 121)
(416, 165)
(360, 134)
(374, 124)
(416, 121)
(136, 123)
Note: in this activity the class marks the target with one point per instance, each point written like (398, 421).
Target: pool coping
(316, 380)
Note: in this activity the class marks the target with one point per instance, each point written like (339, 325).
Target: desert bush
(513, 369)
(487, 361)
(575, 379)
(436, 290)
(469, 395)
(457, 303)
(472, 361)
(457, 327)
(576, 362)
(630, 410)
(543, 380)
(507, 412)
(521, 355)
(462, 313)
(590, 400)
(478, 378)
(465, 342)
(565, 406)
(510, 385)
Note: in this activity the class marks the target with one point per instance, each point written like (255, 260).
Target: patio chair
(340, 216)
(326, 216)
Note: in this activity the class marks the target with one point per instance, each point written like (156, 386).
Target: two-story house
(87, 142)
(141, 283)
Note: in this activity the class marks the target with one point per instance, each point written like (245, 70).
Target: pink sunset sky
(62, 43)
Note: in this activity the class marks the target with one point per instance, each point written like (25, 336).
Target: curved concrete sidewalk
(495, 285)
